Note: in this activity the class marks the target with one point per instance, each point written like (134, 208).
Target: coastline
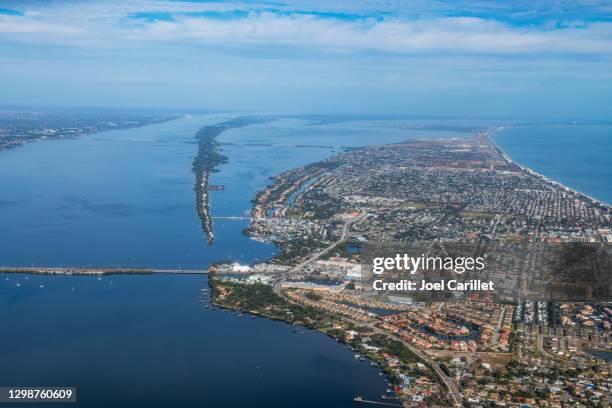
(595, 201)
(22, 142)
(354, 347)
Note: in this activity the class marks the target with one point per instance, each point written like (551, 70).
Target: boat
(42, 286)
(357, 356)
(18, 284)
(358, 398)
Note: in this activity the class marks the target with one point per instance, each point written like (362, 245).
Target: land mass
(546, 246)
(20, 127)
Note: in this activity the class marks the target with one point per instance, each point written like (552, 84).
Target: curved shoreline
(595, 201)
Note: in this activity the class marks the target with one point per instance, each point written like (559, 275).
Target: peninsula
(438, 197)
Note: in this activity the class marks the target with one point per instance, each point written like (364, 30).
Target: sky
(513, 59)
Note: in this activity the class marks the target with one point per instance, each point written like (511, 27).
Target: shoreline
(490, 134)
(23, 142)
(375, 363)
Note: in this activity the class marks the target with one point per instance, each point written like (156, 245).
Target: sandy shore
(491, 132)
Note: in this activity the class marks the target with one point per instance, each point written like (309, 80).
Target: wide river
(126, 198)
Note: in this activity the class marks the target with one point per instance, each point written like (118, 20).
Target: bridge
(99, 271)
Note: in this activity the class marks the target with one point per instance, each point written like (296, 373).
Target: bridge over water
(99, 271)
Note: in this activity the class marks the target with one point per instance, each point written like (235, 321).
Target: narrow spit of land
(206, 162)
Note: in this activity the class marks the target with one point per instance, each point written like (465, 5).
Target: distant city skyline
(456, 58)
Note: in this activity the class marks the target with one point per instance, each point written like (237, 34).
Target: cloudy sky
(518, 58)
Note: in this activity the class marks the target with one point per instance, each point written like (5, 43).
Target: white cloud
(107, 26)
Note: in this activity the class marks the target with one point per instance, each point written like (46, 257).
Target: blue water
(126, 198)
(135, 341)
(116, 198)
(578, 156)
(604, 355)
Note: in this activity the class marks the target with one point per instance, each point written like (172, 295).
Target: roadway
(545, 353)
(277, 286)
(448, 382)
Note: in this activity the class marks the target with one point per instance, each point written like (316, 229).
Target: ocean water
(126, 198)
(577, 155)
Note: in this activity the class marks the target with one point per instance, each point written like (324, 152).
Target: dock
(365, 401)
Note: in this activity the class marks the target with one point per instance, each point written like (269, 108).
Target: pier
(100, 271)
(365, 401)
